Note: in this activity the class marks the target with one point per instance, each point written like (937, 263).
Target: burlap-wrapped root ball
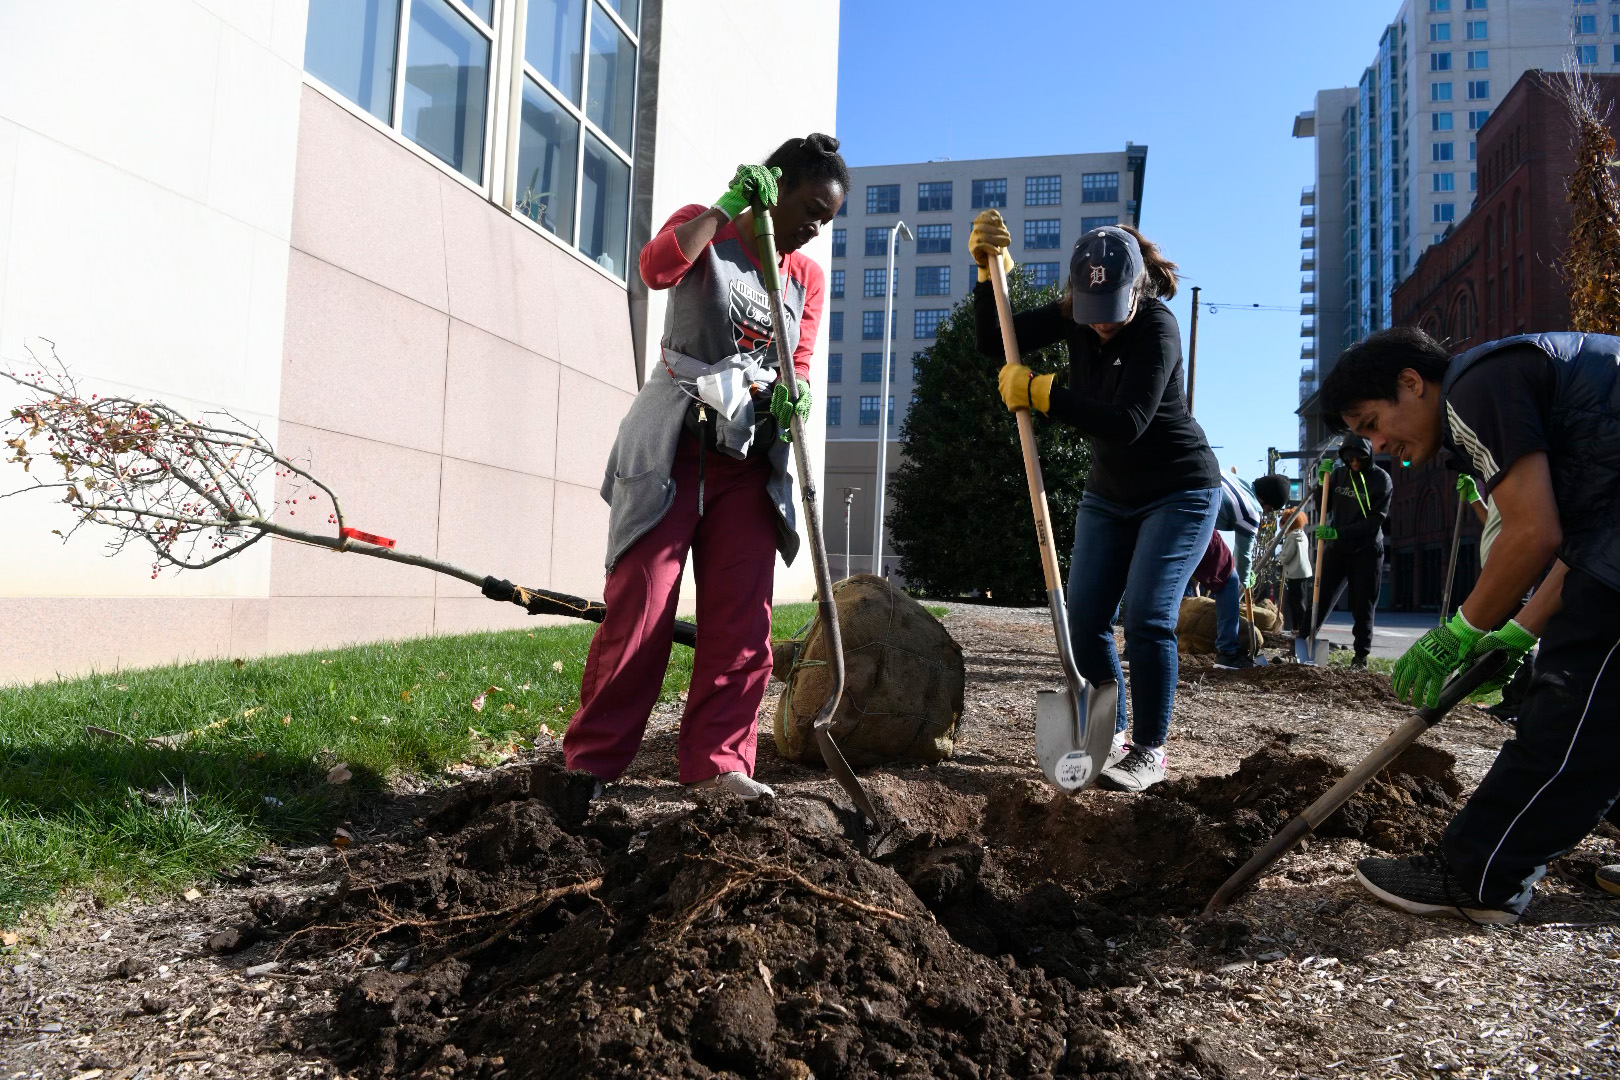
(1195, 628)
(904, 681)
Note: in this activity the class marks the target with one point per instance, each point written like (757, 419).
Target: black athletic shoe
(1359, 662)
(1231, 661)
(1424, 885)
(1505, 712)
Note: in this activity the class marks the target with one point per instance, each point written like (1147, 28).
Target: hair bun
(821, 144)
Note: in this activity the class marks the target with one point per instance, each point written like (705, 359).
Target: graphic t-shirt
(1497, 411)
(719, 306)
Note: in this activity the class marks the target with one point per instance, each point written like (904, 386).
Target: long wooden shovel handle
(1026, 434)
(1318, 616)
(1353, 781)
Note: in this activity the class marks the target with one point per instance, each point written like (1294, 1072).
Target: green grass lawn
(251, 744)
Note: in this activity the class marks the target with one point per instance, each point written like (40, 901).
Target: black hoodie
(1358, 504)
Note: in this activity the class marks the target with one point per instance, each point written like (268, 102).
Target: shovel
(1074, 728)
(765, 234)
(1307, 653)
(1461, 685)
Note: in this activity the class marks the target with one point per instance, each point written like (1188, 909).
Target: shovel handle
(1353, 781)
(1026, 435)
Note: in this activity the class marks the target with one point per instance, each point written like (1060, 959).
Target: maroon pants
(733, 548)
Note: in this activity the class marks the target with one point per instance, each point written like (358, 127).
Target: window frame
(977, 193)
(1043, 185)
(934, 234)
(935, 197)
(503, 106)
(1087, 193)
(1033, 232)
(872, 191)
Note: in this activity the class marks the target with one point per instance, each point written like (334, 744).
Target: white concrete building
(1048, 203)
(1395, 161)
(396, 235)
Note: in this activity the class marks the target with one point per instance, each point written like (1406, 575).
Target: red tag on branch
(369, 538)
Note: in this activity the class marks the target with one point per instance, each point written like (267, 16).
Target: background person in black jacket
(1150, 501)
(1358, 506)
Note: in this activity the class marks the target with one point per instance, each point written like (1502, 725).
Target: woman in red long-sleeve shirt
(700, 464)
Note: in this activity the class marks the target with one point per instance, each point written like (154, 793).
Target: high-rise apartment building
(1395, 154)
(1048, 203)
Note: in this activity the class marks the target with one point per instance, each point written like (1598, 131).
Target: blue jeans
(1227, 602)
(1145, 556)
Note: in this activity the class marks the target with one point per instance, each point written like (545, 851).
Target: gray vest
(1583, 443)
(718, 311)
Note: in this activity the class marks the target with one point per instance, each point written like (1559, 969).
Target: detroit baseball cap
(1104, 269)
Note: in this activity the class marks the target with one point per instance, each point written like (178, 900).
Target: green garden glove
(1512, 639)
(1324, 469)
(751, 183)
(1467, 489)
(1424, 668)
(785, 411)
(1248, 581)
(1324, 532)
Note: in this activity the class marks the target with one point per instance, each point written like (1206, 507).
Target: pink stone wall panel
(389, 490)
(50, 636)
(367, 204)
(474, 615)
(500, 404)
(303, 623)
(593, 328)
(493, 521)
(579, 541)
(588, 415)
(361, 359)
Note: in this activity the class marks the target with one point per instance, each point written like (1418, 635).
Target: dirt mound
(1168, 850)
(518, 938)
(1343, 685)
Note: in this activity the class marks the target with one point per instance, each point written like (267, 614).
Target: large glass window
(1041, 274)
(835, 367)
(1478, 30)
(933, 239)
(872, 283)
(933, 281)
(548, 145)
(567, 163)
(934, 195)
(554, 43)
(925, 322)
(1480, 89)
(869, 410)
(1439, 61)
(350, 47)
(837, 284)
(1089, 223)
(872, 325)
(446, 87)
(1586, 54)
(989, 194)
(1439, 31)
(1042, 234)
(1099, 187)
(872, 366)
(877, 240)
(1043, 190)
(1440, 121)
(840, 241)
(1479, 59)
(883, 199)
(610, 96)
(835, 411)
(835, 326)
(604, 207)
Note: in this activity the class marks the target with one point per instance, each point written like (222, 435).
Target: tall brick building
(1495, 274)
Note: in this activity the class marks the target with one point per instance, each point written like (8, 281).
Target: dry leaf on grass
(339, 774)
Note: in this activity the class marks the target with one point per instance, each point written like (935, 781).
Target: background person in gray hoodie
(699, 466)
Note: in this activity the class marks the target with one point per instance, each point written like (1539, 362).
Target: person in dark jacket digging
(1536, 421)
(1358, 505)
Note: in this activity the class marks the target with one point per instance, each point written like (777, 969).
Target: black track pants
(1362, 571)
(1297, 604)
(1556, 778)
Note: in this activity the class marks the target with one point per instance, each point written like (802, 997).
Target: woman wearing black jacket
(1150, 502)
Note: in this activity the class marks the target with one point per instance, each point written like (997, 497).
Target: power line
(1214, 308)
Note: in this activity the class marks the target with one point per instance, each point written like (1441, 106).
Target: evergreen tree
(962, 520)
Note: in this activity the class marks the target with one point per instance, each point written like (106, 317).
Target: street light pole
(849, 501)
(1192, 352)
(889, 284)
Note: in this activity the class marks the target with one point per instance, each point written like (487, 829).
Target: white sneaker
(1140, 769)
(738, 783)
(1122, 746)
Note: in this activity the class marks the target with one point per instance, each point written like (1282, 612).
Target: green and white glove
(1512, 639)
(785, 410)
(1249, 579)
(1324, 532)
(750, 184)
(1324, 469)
(1467, 489)
(1424, 668)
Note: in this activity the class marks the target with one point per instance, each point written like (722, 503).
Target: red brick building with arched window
(1496, 274)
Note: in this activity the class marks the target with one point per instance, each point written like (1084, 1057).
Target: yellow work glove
(988, 238)
(1021, 388)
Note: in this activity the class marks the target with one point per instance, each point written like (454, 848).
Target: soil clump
(529, 933)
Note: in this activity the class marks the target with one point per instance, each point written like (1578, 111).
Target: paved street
(1393, 631)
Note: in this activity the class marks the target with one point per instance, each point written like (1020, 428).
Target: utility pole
(890, 287)
(849, 500)
(1192, 352)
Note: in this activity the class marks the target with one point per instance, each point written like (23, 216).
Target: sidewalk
(1393, 631)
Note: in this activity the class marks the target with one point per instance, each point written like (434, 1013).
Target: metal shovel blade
(1074, 733)
(1302, 651)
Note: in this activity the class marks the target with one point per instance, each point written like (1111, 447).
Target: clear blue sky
(1211, 89)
